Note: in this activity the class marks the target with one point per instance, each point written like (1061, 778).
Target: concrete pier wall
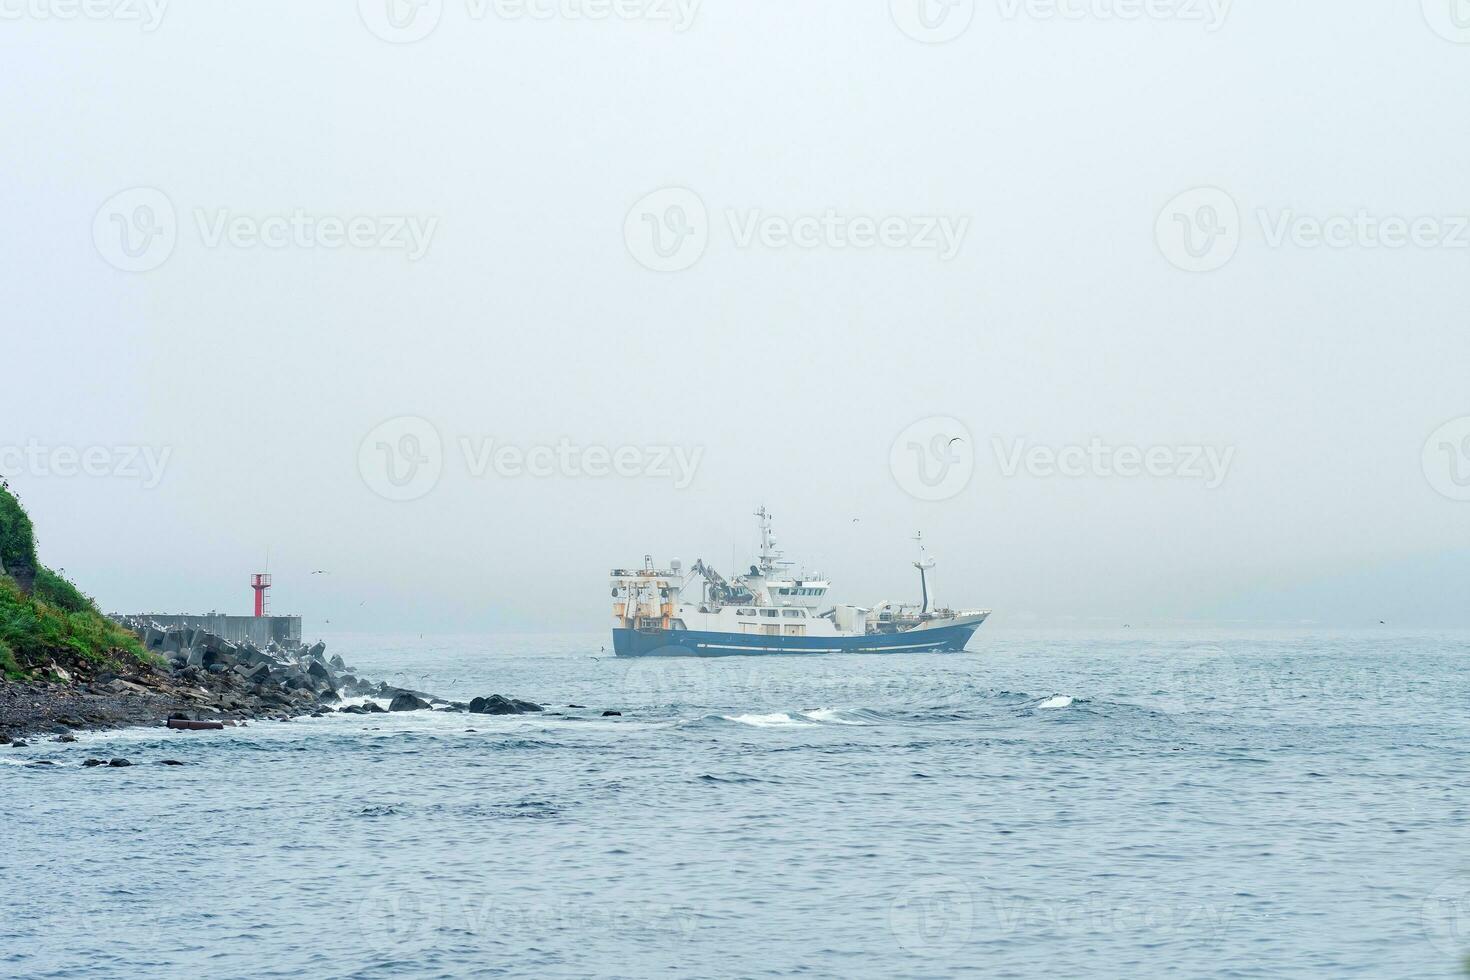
(259, 630)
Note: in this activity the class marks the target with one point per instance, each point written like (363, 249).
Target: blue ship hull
(698, 643)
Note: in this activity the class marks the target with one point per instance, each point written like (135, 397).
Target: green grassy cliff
(44, 618)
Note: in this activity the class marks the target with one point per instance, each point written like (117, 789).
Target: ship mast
(925, 564)
(768, 556)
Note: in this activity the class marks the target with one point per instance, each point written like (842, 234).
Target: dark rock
(496, 704)
(90, 763)
(408, 702)
(353, 709)
(119, 763)
(612, 714)
(576, 706)
(374, 708)
(337, 662)
(19, 743)
(169, 762)
(66, 738)
(41, 762)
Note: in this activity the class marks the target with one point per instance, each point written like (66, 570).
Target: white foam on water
(830, 716)
(777, 720)
(1057, 701)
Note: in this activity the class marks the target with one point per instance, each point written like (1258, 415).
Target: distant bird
(321, 572)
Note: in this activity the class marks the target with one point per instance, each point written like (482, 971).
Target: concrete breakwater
(260, 630)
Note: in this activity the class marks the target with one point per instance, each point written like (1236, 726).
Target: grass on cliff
(33, 633)
(56, 622)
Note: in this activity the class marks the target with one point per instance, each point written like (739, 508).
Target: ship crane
(717, 588)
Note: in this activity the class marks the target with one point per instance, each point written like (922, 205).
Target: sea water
(1100, 803)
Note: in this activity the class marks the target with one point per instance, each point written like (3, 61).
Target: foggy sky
(788, 371)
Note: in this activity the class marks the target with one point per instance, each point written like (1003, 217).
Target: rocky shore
(201, 677)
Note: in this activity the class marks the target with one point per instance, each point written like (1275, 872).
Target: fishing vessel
(772, 609)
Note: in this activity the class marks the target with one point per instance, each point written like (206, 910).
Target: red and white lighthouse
(261, 583)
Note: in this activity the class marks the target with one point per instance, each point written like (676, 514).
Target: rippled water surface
(1112, 803)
